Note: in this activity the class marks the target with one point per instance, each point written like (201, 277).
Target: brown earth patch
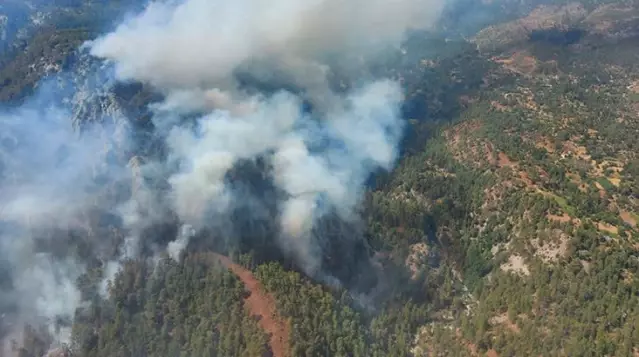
(523, 175)
(600, 168)
(629, 218)
(634, 87)
(490, 154)
(602, 190)
(605, 227)
(262, 305)
(519, 62)
(516, 264)
(504, 321)
(614, 180)
(545, 144)
(551, 252)
(472, 348)
(565, 218)
(543, 173)
(577, 150)
(504, 160)
(576, 179)
(495, 104)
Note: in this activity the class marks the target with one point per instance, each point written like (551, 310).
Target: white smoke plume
(49, 191)
(201, 43)
(175, 248)
(192, 51)
(143, 209)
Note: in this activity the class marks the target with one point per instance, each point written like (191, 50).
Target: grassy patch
(605, 183)
(563, 203)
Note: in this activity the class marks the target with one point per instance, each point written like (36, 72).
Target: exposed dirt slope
(262, 304)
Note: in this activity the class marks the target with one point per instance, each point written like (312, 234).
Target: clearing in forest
(629, 218)
(262, 305)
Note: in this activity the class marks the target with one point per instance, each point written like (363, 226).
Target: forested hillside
(531, 191)
(509, 226)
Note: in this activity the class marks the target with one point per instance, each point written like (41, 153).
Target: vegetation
(21, 73)
(509, 228)
(189, 309)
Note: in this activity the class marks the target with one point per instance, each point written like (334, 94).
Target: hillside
(533, 192)
(509, 225)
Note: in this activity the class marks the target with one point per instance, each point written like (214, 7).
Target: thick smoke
(196, 44)
(194, 51)
(236, 78)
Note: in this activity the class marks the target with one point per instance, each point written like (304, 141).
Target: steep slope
(533, 194)
(195, 307)
(509, 228)
(262, 305)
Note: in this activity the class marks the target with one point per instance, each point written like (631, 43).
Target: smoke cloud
(176, 247)
(201, 43)
(50, 192)
(61, 181)
(193, 51)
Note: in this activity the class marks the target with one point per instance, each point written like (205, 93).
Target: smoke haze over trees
(78, 195)
(393, 178)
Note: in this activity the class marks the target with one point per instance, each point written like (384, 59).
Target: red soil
(262, 305)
